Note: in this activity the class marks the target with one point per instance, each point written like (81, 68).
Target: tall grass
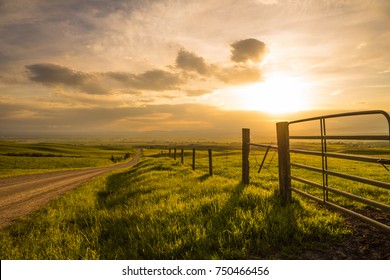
(160, 209)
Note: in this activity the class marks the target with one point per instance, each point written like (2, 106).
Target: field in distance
(30, 158)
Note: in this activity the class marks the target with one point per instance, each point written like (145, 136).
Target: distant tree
(127, 155)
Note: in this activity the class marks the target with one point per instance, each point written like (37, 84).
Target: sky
(190, 69)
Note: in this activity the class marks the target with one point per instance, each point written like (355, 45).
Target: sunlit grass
(161, 209)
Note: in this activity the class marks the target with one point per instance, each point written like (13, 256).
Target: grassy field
(28, 158)
(161, 209)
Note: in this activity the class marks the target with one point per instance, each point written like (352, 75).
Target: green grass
(373, 171)
(161, 209)
(55, 157)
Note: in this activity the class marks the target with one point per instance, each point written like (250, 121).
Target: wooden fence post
(169, 154)
(210, 162)
(193, 159)
(245, 155)
(284, 162)
(182, 156)
(174, 154)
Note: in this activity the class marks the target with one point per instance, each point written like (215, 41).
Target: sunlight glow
(279, 93)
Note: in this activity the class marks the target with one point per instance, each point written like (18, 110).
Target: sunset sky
(200, 69)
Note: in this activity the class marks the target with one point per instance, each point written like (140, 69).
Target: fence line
(193, 165)
(285, 164)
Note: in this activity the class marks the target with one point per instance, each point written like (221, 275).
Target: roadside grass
(30, 158)
(161, 209)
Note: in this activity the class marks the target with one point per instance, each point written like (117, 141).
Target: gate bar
(345, 137)
(345, 176)
(345, 194)
(359, 137)
(344, 210)
(371, 112)
(342, 156)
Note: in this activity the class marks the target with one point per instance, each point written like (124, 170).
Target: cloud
(54, 75)
(188, 69)
(92, 83)
(47, 73)
(157, 80)
(190, 61)
(240, 72)
(248, 49)
(197, 92)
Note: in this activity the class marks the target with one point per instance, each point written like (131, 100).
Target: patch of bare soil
(367, 242)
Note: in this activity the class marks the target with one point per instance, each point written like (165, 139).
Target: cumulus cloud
(190, 61)
(52, 75)
(156, 80)
(189, 67)
(248, 50)
(240, 72)
(47, 73)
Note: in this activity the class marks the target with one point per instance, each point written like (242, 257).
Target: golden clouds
(248, 50)
(174, 78)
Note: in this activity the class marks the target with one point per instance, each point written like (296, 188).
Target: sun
(278, 94)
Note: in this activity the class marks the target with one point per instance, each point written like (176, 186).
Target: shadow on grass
(204, 177)
(119, 186)
(204, 230)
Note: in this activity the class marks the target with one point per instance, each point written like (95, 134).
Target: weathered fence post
(210, 162)
(174, 154)
(182, 156)
(284, 161)
(169, 153)
(245, 155)
(193, 159)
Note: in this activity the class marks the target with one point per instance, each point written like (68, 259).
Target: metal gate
(326, 172)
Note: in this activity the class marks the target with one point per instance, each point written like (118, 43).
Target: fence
(285, 163)
(173, 152)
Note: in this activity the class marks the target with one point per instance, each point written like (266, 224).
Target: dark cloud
(47, 73)
(248, 49)
(54, 75)
(189, 61)
(99, 83)
(157, 80)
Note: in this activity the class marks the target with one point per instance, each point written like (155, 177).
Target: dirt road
(21, 195)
